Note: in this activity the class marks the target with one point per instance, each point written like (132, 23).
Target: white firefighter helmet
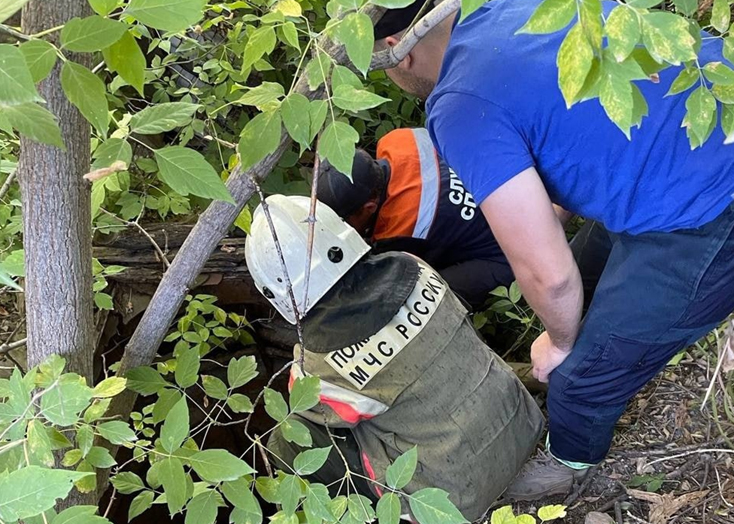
(336, 248)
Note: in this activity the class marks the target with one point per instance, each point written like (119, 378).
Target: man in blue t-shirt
(663, 213)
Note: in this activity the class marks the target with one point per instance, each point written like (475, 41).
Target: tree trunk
(57, 221)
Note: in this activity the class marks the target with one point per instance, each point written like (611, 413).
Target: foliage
(606, 54)
(505, 515)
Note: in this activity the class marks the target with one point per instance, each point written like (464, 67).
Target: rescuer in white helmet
(400, 364)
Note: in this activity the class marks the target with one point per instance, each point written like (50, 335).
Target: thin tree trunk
(57, 221)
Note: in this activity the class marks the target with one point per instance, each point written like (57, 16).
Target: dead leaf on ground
(662, 507)
(598, 518)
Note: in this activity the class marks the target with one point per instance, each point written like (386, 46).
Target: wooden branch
(10, 346)
(6, 185)
(392, 56)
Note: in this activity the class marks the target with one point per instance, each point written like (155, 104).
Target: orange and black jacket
(426, 209)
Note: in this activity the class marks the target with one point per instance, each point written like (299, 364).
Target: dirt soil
(670, 461)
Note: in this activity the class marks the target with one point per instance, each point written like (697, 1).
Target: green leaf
(701, 107)
(32, 490)
(295, 113)
(167, 15)
(79, 515)
(127, 482)
(360, 508)
(109, 387)
(667, 38)
(261, 42)
(100, 458)
(727, 122)
(515, 294)
(294, 431)
(9, 7)
(36, 123)
(140, 504)
(87, 92)
(203, 508)
(684, 81)
(188, 172)
(16, 81)
(639, 106)
(343, 76)
(525, 519)
(259, 138)
(554, 512)
(166, 400)
(111, 151)
(39, 443)
(400, 472)
(550, 16)
(175, 428)
(574, 62)
(40, 57)
(126, 59)
(103, 7)
(71, 458)
(240, 403)
(218, 465)
(357, 35)
(724, 94)
(316, 504)
(214, 387)
(264, 96)
(317, 70)
(623, 31)
(392, 4)
(503, 515)
(432, 506)
(290, 35)
(317, 113)
(7, 280)
(275, 405)
(721, 15)
(615, 95)
(728, 48)
(388, 509)
(116, 432)
(337, 145)
(310, 461)
(62, 404)
(240, 371)
(305, 394)
(145, 380)
(187, 367)
(85, 439)
(57, 439)
(268, 489)
(90, 34)
(239, 494)
(591, 12)
(164, 117)
(290, 492)
(173, 479)
(469, 6)
(718, 73)
(350, 99)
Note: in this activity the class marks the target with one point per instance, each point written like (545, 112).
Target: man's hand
(546, 356)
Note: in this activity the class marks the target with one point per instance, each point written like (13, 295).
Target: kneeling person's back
(401, 366)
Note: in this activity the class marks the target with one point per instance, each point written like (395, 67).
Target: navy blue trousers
(653, 295)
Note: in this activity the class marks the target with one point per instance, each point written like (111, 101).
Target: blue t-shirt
(497, 110)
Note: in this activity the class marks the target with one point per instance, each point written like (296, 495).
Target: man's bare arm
(527, 228)
(563, 215)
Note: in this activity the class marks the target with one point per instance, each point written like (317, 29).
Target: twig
(109, 504)
(573, 497)
(655, 452)
(609, 505)
(719, 364)
(262, 393)
(288, 283)
(392, 56)
(10, 346)
(264, 456)
(6, 185)
(12, 32)
(618, 512)
(140, 228)
(311, 230)
(691, 452)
